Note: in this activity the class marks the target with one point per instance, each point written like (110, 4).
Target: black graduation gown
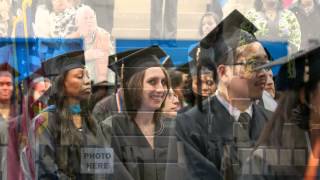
(141, 161)
(56, 159)
(105, 108)
(285, 161)
(207, 136)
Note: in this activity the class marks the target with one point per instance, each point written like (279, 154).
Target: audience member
(308, 15)
(96, 43)
(275, 23)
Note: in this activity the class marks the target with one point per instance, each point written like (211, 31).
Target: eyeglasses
(252, 65)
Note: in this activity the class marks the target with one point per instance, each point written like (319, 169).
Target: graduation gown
(141, 161)
(208, 138)
(286, 161)
(56, 158)
(106, 107)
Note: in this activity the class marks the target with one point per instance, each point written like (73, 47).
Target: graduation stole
(75, 109)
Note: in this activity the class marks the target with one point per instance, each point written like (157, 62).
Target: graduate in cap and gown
(112, 104)
(289, 146)
(142, 140)
(230, 120)
(9, 109)
(202, 77)
(59, 133)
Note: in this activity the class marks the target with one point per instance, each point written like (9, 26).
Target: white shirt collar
(233, 111)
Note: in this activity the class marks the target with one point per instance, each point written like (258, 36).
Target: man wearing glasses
(220, 137)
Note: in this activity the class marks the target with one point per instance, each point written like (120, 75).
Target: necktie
(244, 120)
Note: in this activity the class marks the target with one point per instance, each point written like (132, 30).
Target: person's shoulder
(104, 103)
(261, 110)
(195, 115)
(44, 118)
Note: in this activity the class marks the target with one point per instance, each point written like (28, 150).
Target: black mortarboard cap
(167, 63)
(138, 61)
(8, 68)
(296, 70)
(232, 32)
(183, 68)
(115, 57)
(64, 62)
(203, 59)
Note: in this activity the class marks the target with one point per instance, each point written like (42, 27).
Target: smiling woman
(140, 137)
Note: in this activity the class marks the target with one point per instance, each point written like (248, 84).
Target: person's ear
(221, 70)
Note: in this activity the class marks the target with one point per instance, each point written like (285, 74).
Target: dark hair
(258, 5)
(290, 109)
(208, 14)
(16, 97)
(175, 77)
(133, 91)
(64, 116)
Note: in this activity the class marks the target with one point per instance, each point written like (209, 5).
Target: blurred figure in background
(39, 86)
(62, 18)
(208, 22)
(96, 43)
(200, 87)
(171, 105)
(163, 21)
(5, 8)
(214, 6)
(104, 11)
(308, 14)
(177, 84)
(275, 23)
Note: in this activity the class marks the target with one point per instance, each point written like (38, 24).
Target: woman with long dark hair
(140, 137)
(290, 143)
(62, 130)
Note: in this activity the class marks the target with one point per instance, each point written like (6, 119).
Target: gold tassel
(122, 74)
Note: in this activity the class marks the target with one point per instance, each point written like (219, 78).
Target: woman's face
(59, 5)
(86, 22)
(154, 89)
(208, 86)
(171, 104)
(208, 23)
(77, 84)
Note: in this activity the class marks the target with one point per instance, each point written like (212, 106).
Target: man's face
(6, 87)
(87, 22)
(243, 81)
